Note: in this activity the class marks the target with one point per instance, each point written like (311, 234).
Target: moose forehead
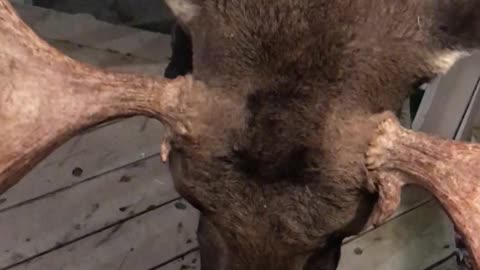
(325, 40)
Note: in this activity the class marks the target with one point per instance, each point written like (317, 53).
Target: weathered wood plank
(140, 243)
(86, 156)
(190, 261)
(465, 131)
(85, 30)
(427, 100)
(446, 101)
(448, 264)
(474, 119)
(414, 240)
(412, 197)
(65, 216)
(110, 60)
(105, 59)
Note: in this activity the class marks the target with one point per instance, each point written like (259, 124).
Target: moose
(270, 112)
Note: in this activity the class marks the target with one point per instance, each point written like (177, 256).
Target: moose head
(268, 132)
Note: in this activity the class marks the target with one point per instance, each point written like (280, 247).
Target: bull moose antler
(46, 97)
(450, 170)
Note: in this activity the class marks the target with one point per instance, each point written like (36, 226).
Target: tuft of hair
(446, 59)
(184, 10)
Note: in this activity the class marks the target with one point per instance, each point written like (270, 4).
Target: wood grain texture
(190, 261)
(85, 30)
(65, 216)
(448, 264)
(94, 153)
(144, 242)
(415, 240)
(109, 59)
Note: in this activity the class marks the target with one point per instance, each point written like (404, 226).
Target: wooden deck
(104, 201)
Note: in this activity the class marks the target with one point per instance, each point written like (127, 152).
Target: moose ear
(184, 10)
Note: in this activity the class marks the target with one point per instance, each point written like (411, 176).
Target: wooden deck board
(190, 261)
(101, 58)
(84, 29)
(449, 264)
(412, 198)
(94, 153)
(412, 241)
(140, 243)
(62, 217)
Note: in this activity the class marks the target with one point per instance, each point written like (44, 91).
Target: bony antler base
(450, 170)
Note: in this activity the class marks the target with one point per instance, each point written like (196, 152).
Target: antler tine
(47, 97)
(449, 169)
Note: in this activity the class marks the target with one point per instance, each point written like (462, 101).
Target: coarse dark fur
(278, 174)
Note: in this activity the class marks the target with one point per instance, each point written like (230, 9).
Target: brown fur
(277, 170)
